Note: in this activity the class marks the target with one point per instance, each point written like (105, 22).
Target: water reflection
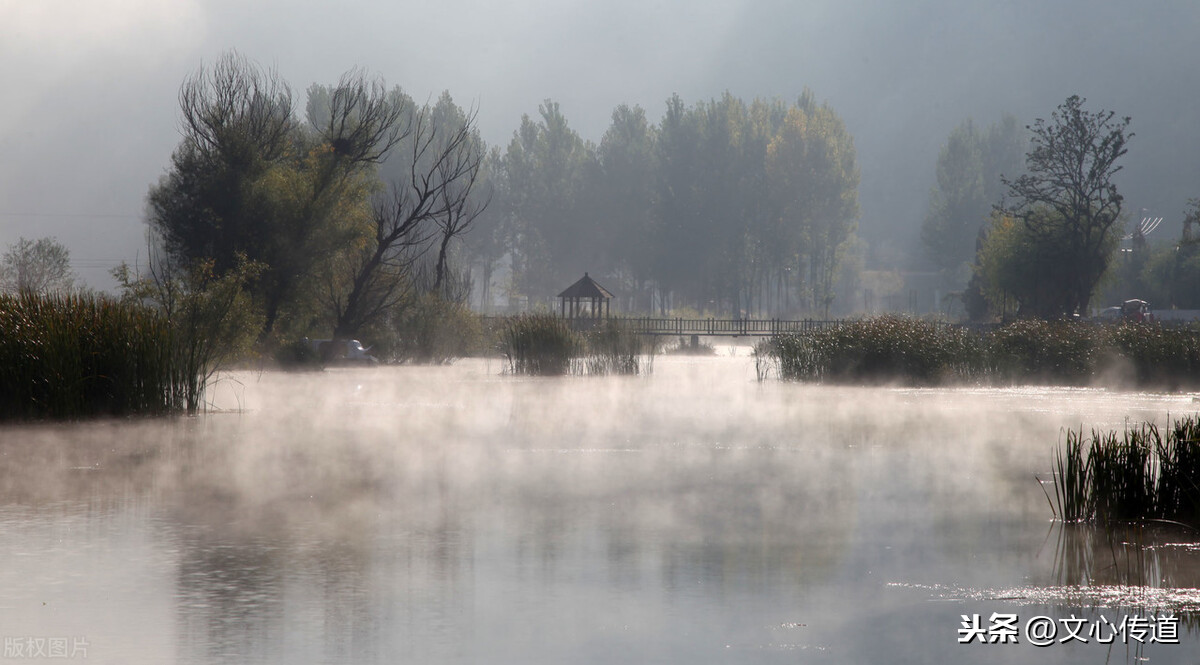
(451, 515)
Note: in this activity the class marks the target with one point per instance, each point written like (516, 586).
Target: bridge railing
(713, 326)
(706, 326)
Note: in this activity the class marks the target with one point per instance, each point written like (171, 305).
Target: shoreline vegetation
(1144, 474)
(892, 349)
(543, 344)
(75, 356)
(72, 356)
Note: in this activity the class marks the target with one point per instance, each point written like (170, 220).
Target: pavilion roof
(586, 287)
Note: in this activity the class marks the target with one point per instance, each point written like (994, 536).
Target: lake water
(456, 515)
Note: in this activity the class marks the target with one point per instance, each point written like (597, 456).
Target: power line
(70, 214)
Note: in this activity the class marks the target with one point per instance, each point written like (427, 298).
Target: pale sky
(90, 114)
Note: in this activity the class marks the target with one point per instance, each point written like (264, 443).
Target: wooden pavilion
(585, 299)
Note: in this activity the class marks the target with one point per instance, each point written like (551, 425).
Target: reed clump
(610, 348)
(910, 351)
(1158, 355)
(539, 344)
(883, 349)
(545, 345)
(1140, 474)
(1044, 351)
(72, 356)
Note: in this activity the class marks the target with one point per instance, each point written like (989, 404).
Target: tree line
(340, 219)
(724, 206)
(368, 208)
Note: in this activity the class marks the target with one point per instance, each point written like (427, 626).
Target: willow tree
(249, 182)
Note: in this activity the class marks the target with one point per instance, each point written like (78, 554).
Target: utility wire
(69, 214)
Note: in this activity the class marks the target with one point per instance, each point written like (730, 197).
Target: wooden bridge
(707, 327)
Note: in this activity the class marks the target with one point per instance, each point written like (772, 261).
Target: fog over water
(454, 514)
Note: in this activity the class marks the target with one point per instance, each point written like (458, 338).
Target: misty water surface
(455, 515)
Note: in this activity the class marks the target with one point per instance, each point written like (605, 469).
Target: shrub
(435, 331)
(1159, 355)
(298, 355)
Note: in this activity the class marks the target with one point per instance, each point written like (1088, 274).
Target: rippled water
(453, 515)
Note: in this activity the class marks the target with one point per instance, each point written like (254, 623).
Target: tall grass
(1044, 351)
(1072, 479)
(1138, 475)
(72, 356)
(883, 349)
(430, 330)
(538, 344)
(1158, 355)
(544, 344)
(612, 349)
(910, 351)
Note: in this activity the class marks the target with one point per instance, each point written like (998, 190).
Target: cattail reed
(73, 356)
(1140, 474)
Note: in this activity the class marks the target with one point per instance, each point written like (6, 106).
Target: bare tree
(36, 266)
(429, 198)
(236, 108)
(358, 119)
(460, 176)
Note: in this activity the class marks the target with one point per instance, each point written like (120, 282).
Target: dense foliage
(346, 214)
(1166, 273)
(881, 349)
(352, 211)
(1068, 206)
(429, 329)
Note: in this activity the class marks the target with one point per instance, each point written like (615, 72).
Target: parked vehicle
(342, 351)
(1110, 314)
(1130, 311)
(1136, 311)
